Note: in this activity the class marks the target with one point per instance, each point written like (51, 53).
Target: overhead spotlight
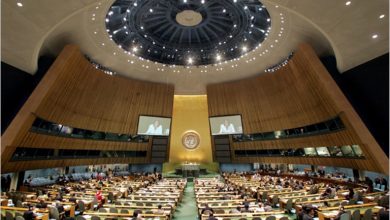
(190, 60)
(202, 1)
(218, 57)
(185, 1)
(110, 13)
(347, 3)
(107, 20)
(374, 36)
(234, 1)
(151, 10)
(224, 11)
(381, 16)
(134, 49)
(19, 4)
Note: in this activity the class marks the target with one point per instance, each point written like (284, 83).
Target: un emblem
(190, 140)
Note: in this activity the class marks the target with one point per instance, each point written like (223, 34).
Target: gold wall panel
(190, 113)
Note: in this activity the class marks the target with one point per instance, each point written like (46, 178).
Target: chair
(356, 215)
(345, 216)
(206, 212)
(124, 211)
(304, 199)
(19, 218)
(256, 218)
(113, 210)
(219, 211)
(8, 215)
(148, 204)
(80, 217)
(264, 196)
(275, 200)
(149, 212)
(18, 214)
(53, 213)
(102, 210)
(271, 217)
(81, 208)
(352, 201)
(94, 217)
(118, 203)
(289, 205)
(242, 219)
(111, 197)
(139, 204)
(284, 218)
(19, 204)
(344, 203)
(367, 215)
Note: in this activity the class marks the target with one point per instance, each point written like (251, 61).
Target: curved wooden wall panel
(35, 140)
(76, 94)
(299, 94)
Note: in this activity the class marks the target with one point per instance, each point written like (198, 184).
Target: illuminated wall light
(19, 4)
(347, 3)
(374, 36)
(381, 16)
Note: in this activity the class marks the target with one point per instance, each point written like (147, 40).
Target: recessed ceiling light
(244, 48)
(151, 10)
(190, 60)
(202, 2)
(348, 3)
(19, 4)
(381, 16)
(374, 36)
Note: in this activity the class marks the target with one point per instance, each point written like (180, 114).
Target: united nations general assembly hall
(194, 109)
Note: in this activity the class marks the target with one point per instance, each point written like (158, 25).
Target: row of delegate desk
(146, 199)
(288, 198)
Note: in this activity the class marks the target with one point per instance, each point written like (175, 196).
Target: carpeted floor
(187, 209)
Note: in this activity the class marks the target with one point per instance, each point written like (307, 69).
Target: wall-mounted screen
(226, 125)
(150, 125)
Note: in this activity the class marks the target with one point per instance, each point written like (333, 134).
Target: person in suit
(29, 214)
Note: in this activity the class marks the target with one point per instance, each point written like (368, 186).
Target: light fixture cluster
(279, 65)
(101, 67)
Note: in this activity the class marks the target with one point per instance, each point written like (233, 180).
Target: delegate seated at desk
(227, 128)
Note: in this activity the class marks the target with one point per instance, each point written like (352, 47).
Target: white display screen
(226, 125)
(150, 125)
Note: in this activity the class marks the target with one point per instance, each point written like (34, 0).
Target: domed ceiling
(188, 32)
(192, 43)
